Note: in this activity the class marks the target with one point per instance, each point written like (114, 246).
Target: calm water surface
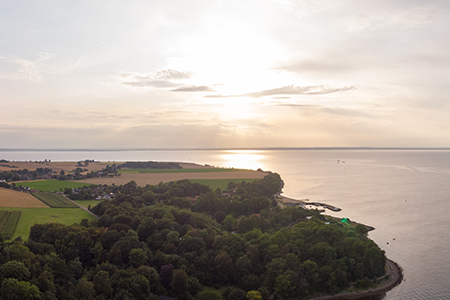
(403, 194)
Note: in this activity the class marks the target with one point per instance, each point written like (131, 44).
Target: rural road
(82, 207)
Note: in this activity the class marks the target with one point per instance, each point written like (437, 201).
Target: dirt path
(82, 207)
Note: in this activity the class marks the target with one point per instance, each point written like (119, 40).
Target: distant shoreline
(216, 149)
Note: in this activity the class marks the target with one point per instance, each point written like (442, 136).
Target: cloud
(301, 90)
(291, 90)
(347, 112)
(159, 79)
(32, 70)
(406, 18)
(151, 83)
(302, 8)
(317, 66)
(193, 88)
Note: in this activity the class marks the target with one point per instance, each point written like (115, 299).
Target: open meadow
(31, 216)
(51, 185)
(221, 183)
(143, 179)
(32, 211)
(86, 203)
(187, 170)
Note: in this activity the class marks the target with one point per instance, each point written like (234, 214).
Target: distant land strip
(215, 149)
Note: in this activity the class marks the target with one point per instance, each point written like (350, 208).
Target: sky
(224, 73)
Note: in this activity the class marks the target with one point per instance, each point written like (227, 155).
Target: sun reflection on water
(244, 159)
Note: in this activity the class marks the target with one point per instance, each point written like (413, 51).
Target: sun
(236, 57)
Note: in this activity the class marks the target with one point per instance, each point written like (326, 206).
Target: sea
(404, 194)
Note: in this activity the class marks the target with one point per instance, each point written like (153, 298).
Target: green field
(52, 185)
(54, 200)
(221, 183)
(86, 203)
(8, 222)
(31, 216)
(198, 170)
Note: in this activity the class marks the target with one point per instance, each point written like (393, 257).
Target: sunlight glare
(244, 159)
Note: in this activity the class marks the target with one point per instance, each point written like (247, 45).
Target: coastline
(303, 202)
(393, 270)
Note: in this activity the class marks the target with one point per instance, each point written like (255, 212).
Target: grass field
(31, 216)
(221, 183)
(54, 200)
(196, 170)
(86, 203)
(155, 178)
(8, 222)
(51, 185)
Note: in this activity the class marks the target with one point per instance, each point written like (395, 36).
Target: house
(192, 199)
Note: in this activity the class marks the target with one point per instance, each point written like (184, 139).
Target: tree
(208, 295)
(166, 275)
(12, 289)
(84, 290)
(254, 295)
(138, 257)
(236, 294)
(178, 285)
(102, 284)
(224, 266)
(15, 269)
(228, 223)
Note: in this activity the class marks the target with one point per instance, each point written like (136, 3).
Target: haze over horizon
(224, 74)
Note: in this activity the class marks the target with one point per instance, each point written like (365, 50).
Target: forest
(184, 241)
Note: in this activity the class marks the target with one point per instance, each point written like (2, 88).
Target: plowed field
(10, 198)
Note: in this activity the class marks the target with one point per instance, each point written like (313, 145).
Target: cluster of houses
(97, 193)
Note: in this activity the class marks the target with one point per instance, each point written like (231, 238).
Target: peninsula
(214, 234)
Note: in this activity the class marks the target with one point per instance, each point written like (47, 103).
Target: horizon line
(214, 149)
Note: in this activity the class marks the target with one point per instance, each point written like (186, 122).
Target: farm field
(57, 167)
(156, 178)
(54, 200)
(194, 170)
(220, 183)
(31, 216)
(8, 222)
(69, 166)
(51, 185)
(10, 198)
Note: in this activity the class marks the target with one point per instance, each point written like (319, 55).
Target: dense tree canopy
(155, 240)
